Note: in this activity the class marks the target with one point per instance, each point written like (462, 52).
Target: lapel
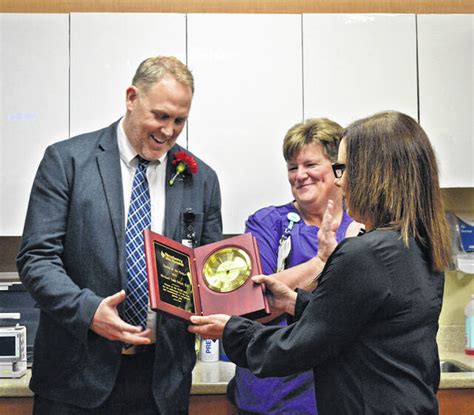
(108, 160)
(174, 197)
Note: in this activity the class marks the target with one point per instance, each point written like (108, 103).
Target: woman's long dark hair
(393, 181)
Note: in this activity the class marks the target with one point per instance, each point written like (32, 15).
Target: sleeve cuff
(238, 332)
(302, 300)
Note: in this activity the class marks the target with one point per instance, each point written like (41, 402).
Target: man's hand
(281, 297)
(209, 327)
(108, 324)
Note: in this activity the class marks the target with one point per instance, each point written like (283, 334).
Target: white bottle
(469, 326)
(209, 350)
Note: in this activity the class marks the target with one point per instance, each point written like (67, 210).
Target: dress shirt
(156, 176)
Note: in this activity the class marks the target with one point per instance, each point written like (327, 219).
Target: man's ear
(131, 96)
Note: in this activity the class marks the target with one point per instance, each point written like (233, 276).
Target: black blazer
(368, 331)
(72, 256)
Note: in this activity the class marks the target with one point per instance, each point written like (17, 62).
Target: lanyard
(284, 247)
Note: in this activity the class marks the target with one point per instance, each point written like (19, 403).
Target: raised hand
(327, 233)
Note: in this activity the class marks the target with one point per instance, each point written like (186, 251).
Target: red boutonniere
(184, 163)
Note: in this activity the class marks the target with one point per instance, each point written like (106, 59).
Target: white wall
(106, 49)
(356, 65)
(256, 76)
(34, 104)
(446, 65)
(248, 93)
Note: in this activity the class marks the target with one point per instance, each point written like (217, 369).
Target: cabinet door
(456, 401)
(248, 93)
(106, 49)
(34, 61)
(446, 64)
(356, 65)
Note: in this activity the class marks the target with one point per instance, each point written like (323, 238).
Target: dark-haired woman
(369, 330)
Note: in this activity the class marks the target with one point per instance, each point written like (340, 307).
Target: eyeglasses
(338, 169)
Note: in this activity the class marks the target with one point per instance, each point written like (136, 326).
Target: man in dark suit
(73, 256)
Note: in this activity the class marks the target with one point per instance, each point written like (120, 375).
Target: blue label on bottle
(466, 232)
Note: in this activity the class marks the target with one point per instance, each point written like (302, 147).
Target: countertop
(211, 378)
(458, 380)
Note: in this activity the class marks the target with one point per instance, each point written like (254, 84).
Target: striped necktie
(139, 218)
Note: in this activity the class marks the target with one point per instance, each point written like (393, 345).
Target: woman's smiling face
(311, 177)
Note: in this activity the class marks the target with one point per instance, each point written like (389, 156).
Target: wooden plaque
(211, 279)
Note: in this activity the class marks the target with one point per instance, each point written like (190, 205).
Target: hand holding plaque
(211, 279)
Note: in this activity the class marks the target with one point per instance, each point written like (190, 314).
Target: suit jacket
(72, 255)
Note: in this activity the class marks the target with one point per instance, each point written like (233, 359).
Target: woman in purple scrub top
(287, 236)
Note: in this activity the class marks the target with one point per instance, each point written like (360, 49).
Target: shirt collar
(127, 152)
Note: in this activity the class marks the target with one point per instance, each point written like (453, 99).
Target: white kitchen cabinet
(256, 76)
(359, 64)
(446, 66)
(34, 104)
(248, 77)
(106, 49)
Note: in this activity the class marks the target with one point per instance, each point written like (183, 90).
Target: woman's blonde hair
(314, 130)
(393, 181)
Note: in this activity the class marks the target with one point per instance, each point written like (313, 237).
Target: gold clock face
(227, 269)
